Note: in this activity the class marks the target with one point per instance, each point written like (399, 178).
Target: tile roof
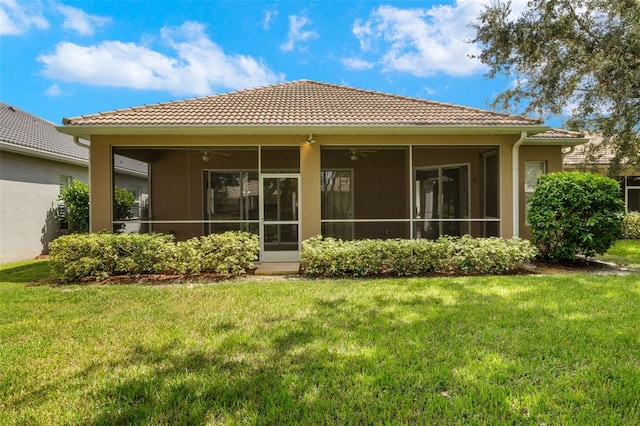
(22, 129)
(590, 154)
(302, 103)
(558, 134)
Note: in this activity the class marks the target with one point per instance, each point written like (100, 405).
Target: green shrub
(231, 252)
(81, 255)
(101, 255)
(487, 255)
(332, 257)
(631, 226)
(76, 200)
(575, 213)
(415, 257)
(123, 201)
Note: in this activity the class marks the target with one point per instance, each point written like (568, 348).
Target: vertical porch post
(100, 187)
(310, 188)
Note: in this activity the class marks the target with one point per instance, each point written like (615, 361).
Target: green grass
(623, 252)
(471, 350)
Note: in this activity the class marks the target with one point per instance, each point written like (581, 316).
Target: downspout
(515, 158)
(76, 140)
(565, 153)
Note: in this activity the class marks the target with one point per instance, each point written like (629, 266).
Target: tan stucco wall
(179, 186)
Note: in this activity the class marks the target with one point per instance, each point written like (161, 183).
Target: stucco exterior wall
(178, 186)
(552, 156)
(29, 190)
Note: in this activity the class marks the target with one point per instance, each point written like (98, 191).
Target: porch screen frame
(351, 201)
(485, 190)
(208, 222)
(440, 220)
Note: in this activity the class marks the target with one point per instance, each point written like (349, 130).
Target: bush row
(101, 255)
(332, 257)
(631, 226)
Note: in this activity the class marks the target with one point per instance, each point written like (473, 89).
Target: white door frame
(279, 256)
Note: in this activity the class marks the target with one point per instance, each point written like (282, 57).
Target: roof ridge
(18, 109)
(423, 100)
(259, 104)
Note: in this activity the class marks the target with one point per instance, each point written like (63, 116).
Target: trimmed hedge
(465, 255)
(631, 226)
(575, 213)
(101, 255)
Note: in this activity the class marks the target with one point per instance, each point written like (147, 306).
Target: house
(293, 160)
(579, 158)
(36, 161)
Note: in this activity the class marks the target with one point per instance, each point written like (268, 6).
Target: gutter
(38, 153)
(76, 140)
(515, 159)
(86, 131)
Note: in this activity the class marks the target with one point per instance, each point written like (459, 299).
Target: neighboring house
(36, 161)
(579, 159)
(293, 160)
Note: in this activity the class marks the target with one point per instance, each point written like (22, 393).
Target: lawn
(462, 350)
(623, 252)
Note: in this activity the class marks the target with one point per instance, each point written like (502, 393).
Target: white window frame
(528, 191)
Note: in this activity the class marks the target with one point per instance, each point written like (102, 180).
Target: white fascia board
(555, 141)
(87, 131)
(32, 152)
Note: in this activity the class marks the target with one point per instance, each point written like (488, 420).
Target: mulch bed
(537, 267)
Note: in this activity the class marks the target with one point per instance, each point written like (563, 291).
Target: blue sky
(67, 58)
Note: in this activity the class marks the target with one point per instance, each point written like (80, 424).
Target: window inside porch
(409, 192)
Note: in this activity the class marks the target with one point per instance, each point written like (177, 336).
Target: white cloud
(423, 42)
(53, 90)
(17, 18)
(80, 21)
(268, 18)
(197, 67)
(357, 64)
(296, 33)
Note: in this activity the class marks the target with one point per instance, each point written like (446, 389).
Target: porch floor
(277, 268)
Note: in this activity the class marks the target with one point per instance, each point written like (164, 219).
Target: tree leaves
(580, 57)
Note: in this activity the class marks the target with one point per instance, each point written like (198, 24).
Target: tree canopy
(579, 58)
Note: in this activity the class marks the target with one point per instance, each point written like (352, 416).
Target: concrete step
(277, 268)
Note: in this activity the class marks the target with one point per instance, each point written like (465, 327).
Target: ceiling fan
(206, 155)
(355, 154)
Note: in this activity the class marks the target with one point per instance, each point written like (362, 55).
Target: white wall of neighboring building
(29, 190)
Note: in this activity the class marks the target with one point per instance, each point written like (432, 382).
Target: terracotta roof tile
(558, 134)
(301, 103)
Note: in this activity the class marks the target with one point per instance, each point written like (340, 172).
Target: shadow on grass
(462, 356)
(25, 272)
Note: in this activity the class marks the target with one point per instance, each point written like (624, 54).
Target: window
(136, 190)
(337, 203)
(532, 172)
(633, 193)
(441, 193)
(231, 198)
